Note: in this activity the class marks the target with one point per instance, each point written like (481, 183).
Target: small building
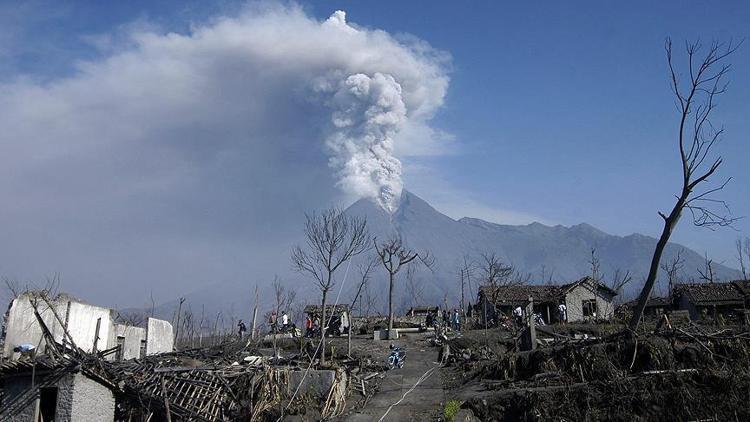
(91, 328)
(44, 390)
(709, 300)
(422, 311)
(585, 300)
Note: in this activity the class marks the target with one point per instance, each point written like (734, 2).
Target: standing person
(272, 321)
(446, 318)
(562, 311)
(241, 328)
(308, 326)
(518, 314)
(428, 319)
(344, 323)
(284, 321)
(456, 320)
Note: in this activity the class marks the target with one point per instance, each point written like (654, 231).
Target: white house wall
(584, 291)
(159, 337)
(22, 326)
(132, 336)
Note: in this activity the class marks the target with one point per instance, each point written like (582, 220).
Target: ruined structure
(703, 300)
(585, 300)
(92, 328)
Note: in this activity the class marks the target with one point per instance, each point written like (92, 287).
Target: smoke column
(368, 111)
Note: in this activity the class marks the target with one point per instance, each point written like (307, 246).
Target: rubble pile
(236, 380)
(672, 374)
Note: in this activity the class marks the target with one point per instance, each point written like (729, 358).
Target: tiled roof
(521, 293)
(540, 293)
(711, 293)
(653, 302)
(743, 286)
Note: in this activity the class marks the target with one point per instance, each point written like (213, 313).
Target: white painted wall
(159, 337)
(22, 327)
(133, 337)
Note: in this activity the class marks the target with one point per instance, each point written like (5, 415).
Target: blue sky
(555, 111)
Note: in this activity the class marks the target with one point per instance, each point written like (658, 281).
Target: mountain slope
(563, 251)
(535, 248)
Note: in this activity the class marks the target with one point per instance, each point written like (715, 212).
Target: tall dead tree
(332, 238)
(365, 271)
(743, 255)
(707, 274)
(465, 272)
(494, 273)
(394, 256)
(695, 98)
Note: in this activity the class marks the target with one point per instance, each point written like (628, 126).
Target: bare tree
(595, 266)
(413, 286)
(695, 100)
(394, 256)
(707, 273)
(365, 271)
(743, 254)
(465, 272)
(494, 273)
(332, 238)
(619, 280)
(672, 268)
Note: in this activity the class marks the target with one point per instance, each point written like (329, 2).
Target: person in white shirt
(518, 314)
(344, 323)
(562, 312)
(284, 320)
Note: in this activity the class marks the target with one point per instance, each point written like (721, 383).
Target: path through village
(412, 393)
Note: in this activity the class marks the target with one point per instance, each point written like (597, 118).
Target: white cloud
(177, 156)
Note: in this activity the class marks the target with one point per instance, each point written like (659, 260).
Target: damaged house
(710, 300)
(585, 300)
(38, 379)
(92, 328)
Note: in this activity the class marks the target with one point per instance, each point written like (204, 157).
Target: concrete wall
(91, 401)
(586, 291)
(22, 326)
(79, 398)
(133, 337)
(159, 337)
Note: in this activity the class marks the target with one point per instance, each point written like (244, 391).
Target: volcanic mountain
(559, 251)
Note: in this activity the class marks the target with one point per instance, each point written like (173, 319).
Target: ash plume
(171, 144)
(368, 113)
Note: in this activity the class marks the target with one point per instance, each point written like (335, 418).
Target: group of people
(562, 315)
(338, 325)
(449, 319)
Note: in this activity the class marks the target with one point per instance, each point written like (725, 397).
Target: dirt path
(418, 386)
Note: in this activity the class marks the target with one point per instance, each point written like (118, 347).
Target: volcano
(564, 253)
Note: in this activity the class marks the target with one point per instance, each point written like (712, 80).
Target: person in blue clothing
(456, 320)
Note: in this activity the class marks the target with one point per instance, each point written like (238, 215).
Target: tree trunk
(323, 327)
(669, 224)
(390, 304)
